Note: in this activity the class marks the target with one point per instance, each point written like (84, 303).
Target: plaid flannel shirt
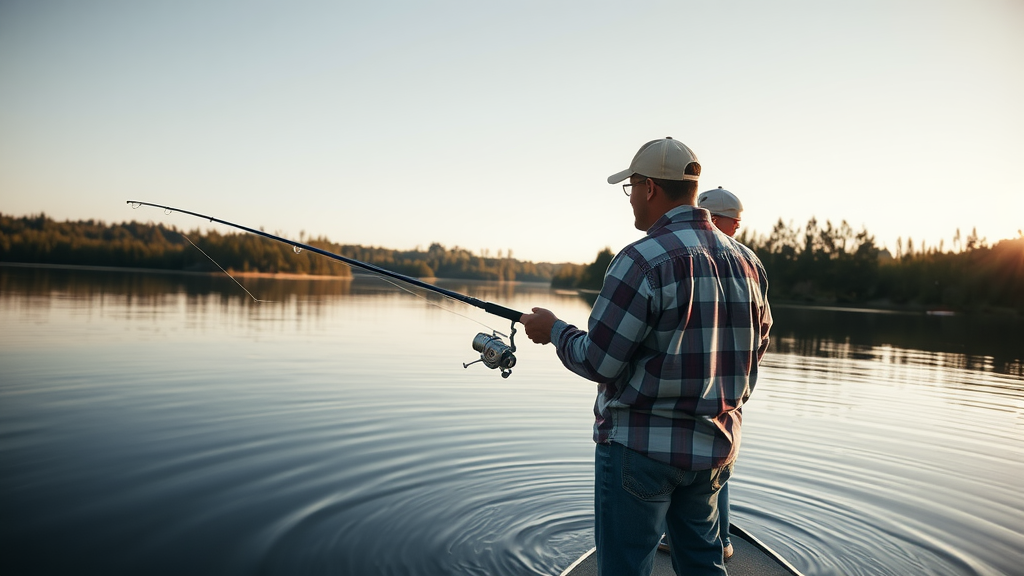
(674, 342)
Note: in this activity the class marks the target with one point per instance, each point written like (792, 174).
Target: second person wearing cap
(725, 209)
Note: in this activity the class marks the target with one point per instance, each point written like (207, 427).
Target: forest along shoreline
(813, 265)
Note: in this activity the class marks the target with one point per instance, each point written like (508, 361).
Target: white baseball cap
(720, 202)
(665, 159)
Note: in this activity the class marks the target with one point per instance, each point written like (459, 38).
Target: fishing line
(436, 305)
(375, 276)
(224, 271)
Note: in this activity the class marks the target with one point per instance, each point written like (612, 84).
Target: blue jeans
(636, 499)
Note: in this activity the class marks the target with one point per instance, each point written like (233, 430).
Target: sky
(493, 126)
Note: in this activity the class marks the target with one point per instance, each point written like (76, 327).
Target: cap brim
(620, 176)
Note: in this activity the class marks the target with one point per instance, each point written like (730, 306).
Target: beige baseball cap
(720, 202)
(666, 159)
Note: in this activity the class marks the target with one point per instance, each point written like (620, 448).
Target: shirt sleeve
(618, 324)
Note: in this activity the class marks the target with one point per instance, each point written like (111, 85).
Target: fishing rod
(494, 353)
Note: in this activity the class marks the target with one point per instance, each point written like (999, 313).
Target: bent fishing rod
(494, 353)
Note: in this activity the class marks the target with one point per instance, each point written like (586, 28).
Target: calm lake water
(168, 424)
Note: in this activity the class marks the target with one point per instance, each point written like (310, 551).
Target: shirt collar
(684, 213)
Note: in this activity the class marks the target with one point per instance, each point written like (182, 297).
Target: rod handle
(506, 313)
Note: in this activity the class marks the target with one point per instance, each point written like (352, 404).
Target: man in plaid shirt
(674, 342)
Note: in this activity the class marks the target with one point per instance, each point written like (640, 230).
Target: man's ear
(651, 187)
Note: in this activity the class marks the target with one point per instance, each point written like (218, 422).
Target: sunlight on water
(169, 424)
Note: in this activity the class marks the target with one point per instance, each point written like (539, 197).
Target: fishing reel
(494, 353)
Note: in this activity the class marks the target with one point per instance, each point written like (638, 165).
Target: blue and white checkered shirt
(674, 342)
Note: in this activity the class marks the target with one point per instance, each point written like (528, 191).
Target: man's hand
(538, 325)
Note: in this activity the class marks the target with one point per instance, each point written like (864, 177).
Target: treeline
(836, 265)
(583, 277)
(41, 240)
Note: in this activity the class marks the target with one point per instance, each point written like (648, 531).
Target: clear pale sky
(493, 125)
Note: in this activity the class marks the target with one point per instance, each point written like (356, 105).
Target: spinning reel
(494, 353)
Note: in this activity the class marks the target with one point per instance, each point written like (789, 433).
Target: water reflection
(145, 287)
(987, 343)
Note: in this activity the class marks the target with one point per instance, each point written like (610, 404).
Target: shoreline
(355, 273)
(274, 275)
